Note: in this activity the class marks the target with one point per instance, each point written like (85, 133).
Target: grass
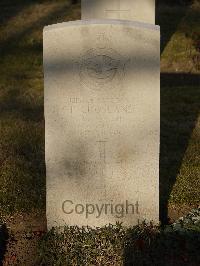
(22, 170)
(180, 144)
(180, 28)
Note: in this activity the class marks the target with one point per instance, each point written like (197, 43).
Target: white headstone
(102, 107)
(137, 10)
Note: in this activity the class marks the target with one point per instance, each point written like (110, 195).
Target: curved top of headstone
(104, 21)
(139, 10)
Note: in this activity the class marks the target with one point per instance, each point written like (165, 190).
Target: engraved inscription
(102, 162)
(100, 105)
(100, 108)
(102, 150)
(100, 166)
(99, 67)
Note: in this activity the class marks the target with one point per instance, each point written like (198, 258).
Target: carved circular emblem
(99, 67)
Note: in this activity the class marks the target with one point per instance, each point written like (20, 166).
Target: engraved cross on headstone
(118, 12)
(102, 150)
(102, 164)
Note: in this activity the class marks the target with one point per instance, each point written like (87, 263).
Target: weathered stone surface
(137, 10)
(102, 107)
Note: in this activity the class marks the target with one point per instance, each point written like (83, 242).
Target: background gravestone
(137, 10)
(102, 108)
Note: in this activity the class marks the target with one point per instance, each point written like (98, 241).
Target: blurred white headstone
(102, 122)
(137, 10)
